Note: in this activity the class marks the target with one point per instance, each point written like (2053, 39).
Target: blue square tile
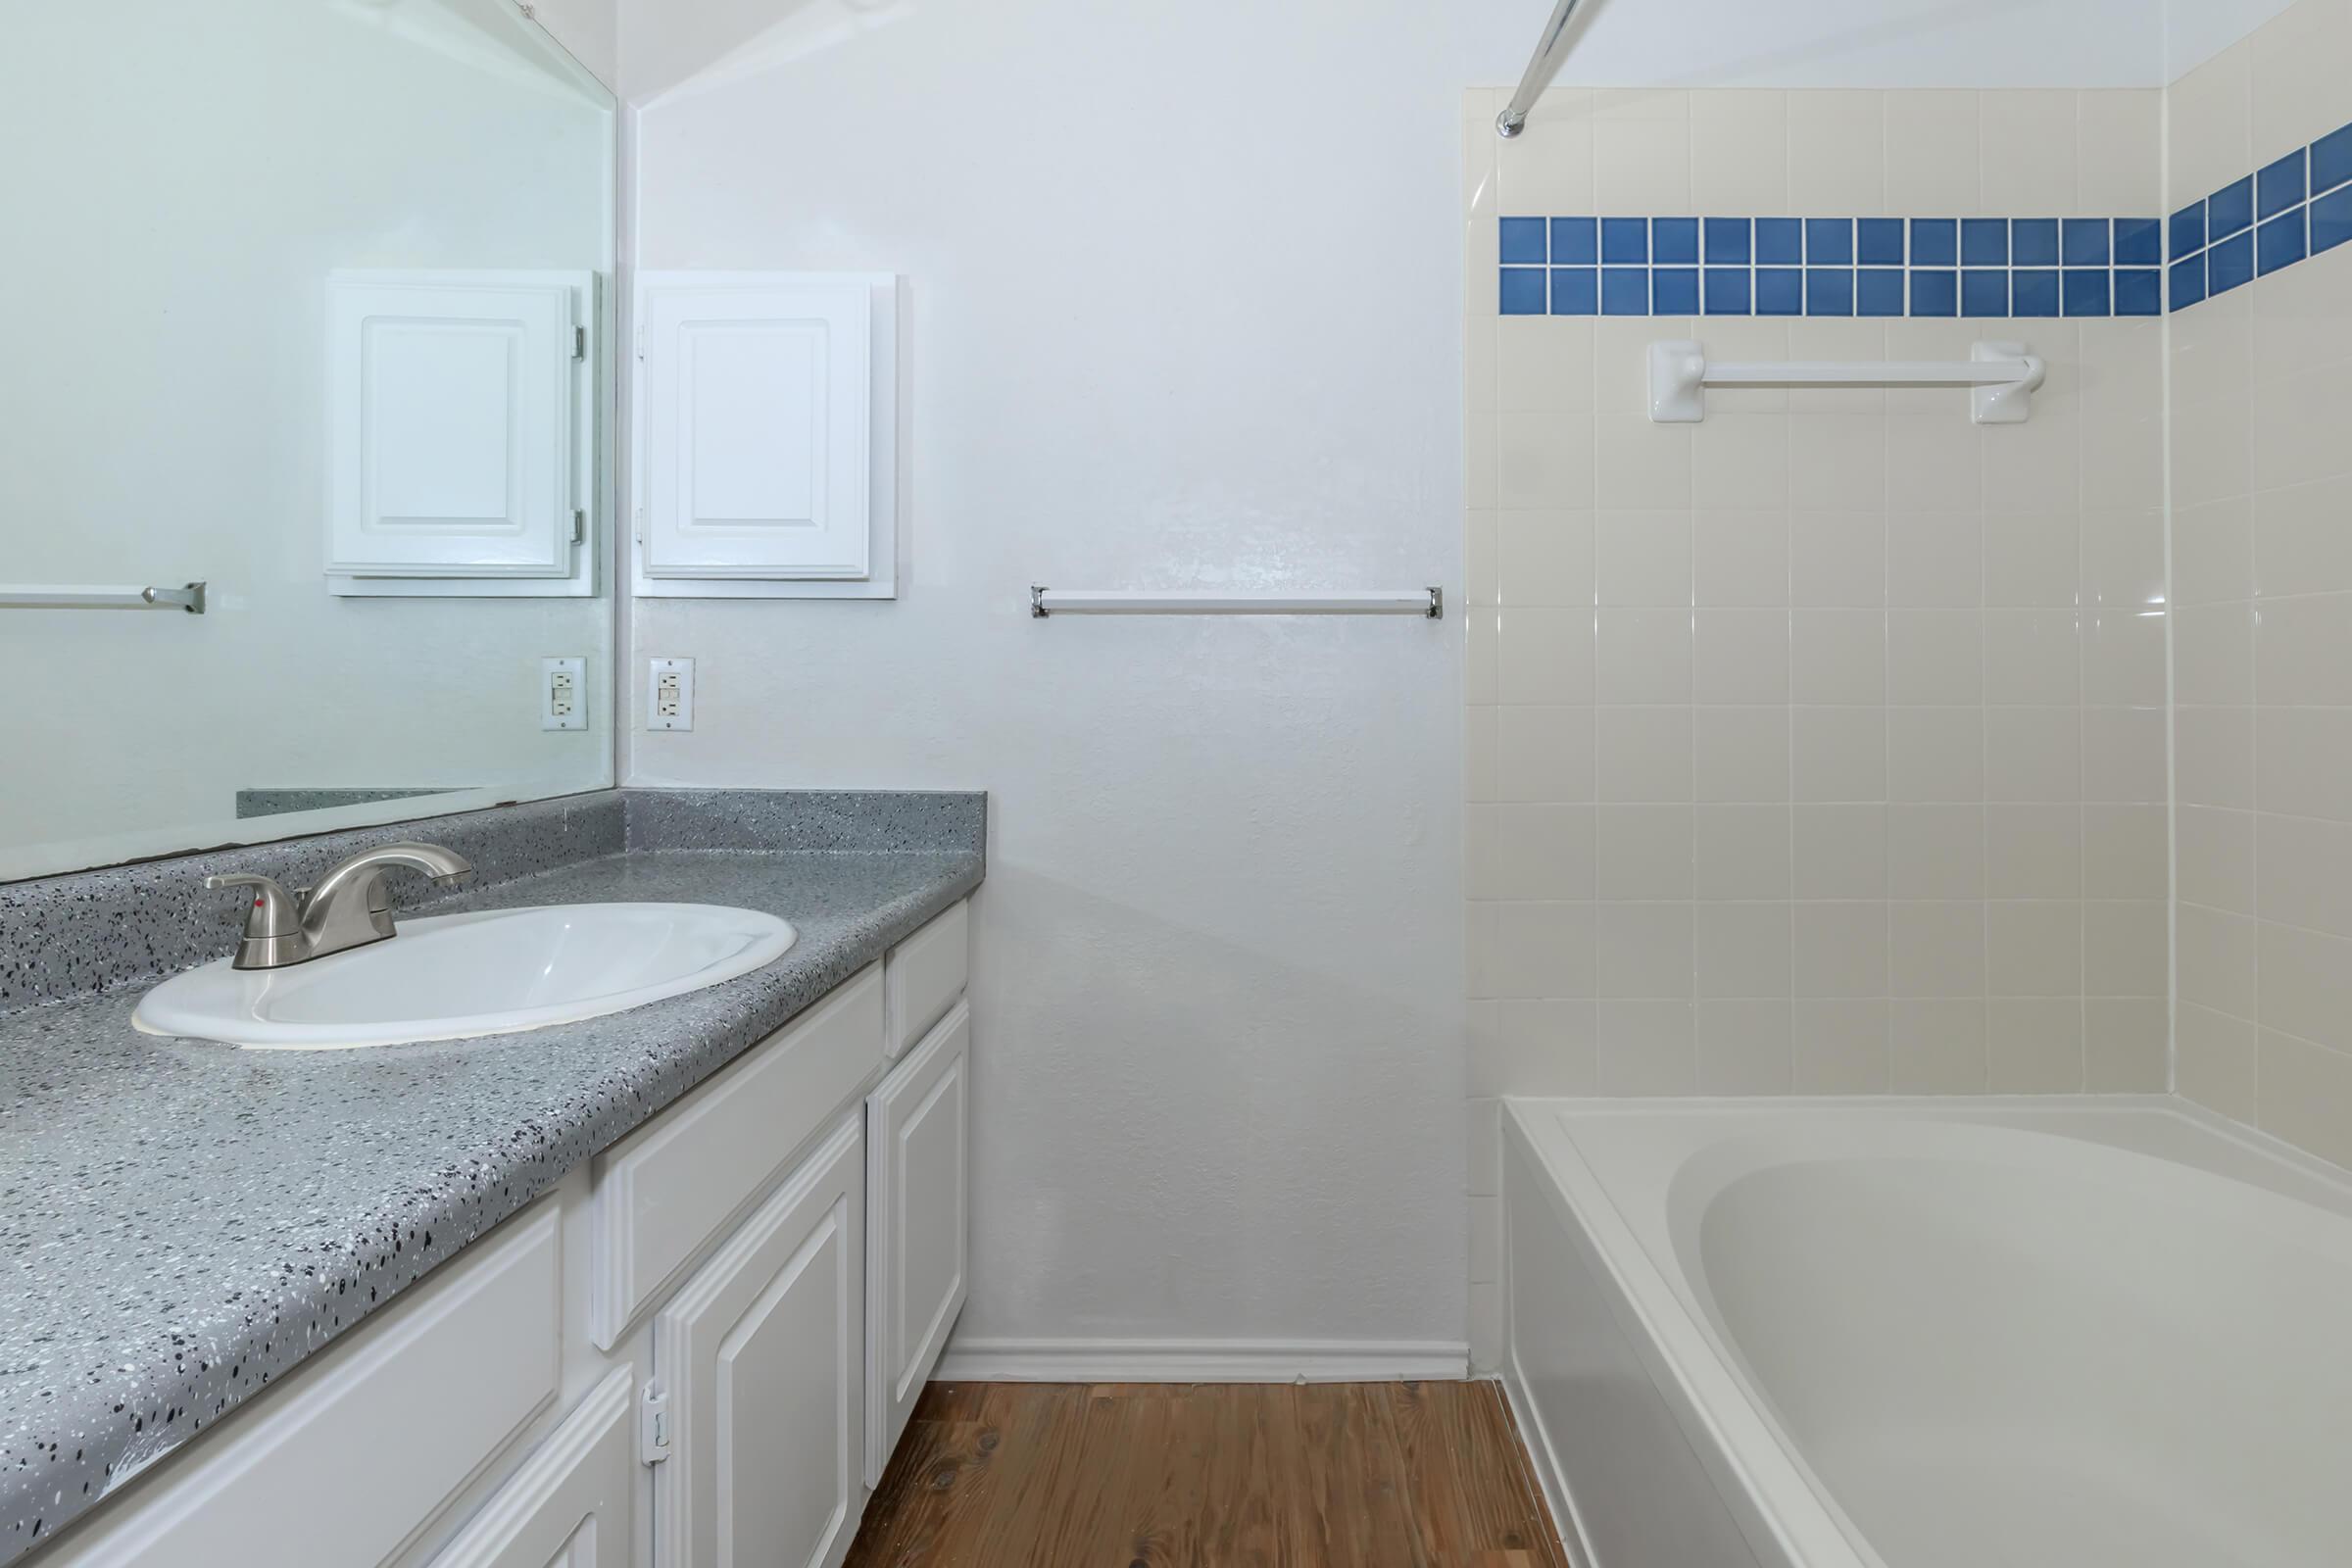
(2085, 242)
(1625, 239)
(1523, 291)
(2033, 242)
(1727, 242)
(1830, 241)
(2280, 242)
(2188, 281)
(1879, 291)
(1983, 242)
(2139, 241)
(1523, 240)
(2084, 293)
(1780, 291)
(2331, 221)
(2279, 184)
(1984, 291)
(2229, 262)
(1727, 290)
(1674, 290)
(2138, 292)
(1575, 291)
(1829, 291)
(2188, 230)
(1935, 242)
(1934, 293)
(1575, 241)
(2034, 293)
(1879, 241)
(2331, 160)
(1780, 241)
(1625, 291)
(2229, 209)
(1674, 240)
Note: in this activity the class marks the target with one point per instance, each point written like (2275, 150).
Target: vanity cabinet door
(569, 1505)
(916, 1134)
(761, 1360)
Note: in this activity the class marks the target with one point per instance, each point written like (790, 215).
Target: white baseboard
(979, 1360)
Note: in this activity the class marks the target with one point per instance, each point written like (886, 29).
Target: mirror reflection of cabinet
(458, 435)
(321, 316)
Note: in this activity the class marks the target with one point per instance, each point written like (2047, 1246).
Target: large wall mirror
(309, 303)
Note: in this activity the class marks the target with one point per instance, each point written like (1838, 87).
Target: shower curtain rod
(1541, 67)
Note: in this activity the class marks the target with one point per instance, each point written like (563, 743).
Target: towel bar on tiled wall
(2004, 374)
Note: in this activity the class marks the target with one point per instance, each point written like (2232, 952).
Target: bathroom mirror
(309, 302)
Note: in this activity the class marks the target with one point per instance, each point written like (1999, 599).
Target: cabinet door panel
(916, 1136)
(569, 1505)
(762, 1359)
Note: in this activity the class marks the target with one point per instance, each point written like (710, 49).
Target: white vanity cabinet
(916, 1128)
(696, 1353)
(761, 1360)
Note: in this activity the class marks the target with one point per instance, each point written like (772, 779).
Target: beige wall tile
(2119, 154)
(2028, 147)
(2215, 1061)
(2304, 1094)
(1937, 1046)
(2034, 1046)
(1745, 1047)
(1934, 164)
(1841, 1046)
(1837, 143)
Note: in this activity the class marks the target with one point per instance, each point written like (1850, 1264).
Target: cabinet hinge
(579, 342)
(579, 526)
(652, 1425)
(641, 342)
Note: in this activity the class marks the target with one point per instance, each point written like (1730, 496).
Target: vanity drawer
(926, 973)
(670, 1187)
(348, 1462)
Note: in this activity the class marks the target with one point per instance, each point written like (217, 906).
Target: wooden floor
(1332, 1475)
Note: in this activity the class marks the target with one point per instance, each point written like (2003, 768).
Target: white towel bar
(2004, 374)
(1428, 602)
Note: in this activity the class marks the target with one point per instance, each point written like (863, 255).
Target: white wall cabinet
(917, 1127)
(698, 1351)
(458, 431)
(765, 434)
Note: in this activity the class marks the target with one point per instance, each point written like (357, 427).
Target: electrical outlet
(562, 694)
(669, 694)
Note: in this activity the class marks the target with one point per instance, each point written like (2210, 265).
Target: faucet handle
(273, 913)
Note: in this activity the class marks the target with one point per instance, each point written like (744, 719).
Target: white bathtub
(1908, 1334)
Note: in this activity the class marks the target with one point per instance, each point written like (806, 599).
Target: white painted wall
(1166, 328)
(1184, 289)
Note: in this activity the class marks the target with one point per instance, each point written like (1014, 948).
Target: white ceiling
(1868, 43)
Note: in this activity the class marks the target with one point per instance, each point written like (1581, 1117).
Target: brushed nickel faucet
(348, 908)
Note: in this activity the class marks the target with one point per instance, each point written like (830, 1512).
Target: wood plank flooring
(1324, 1475)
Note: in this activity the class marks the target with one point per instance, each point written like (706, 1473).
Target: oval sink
(446, 977)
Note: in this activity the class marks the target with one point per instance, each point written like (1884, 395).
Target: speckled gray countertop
(182, 1222)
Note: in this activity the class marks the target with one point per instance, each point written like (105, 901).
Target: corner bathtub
(1956, 1334)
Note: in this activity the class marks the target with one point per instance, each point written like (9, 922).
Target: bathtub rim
(1787, 1514)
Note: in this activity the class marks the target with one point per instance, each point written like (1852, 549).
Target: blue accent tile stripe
(2292, 208)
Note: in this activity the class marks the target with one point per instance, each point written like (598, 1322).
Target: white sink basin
(449, 976)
